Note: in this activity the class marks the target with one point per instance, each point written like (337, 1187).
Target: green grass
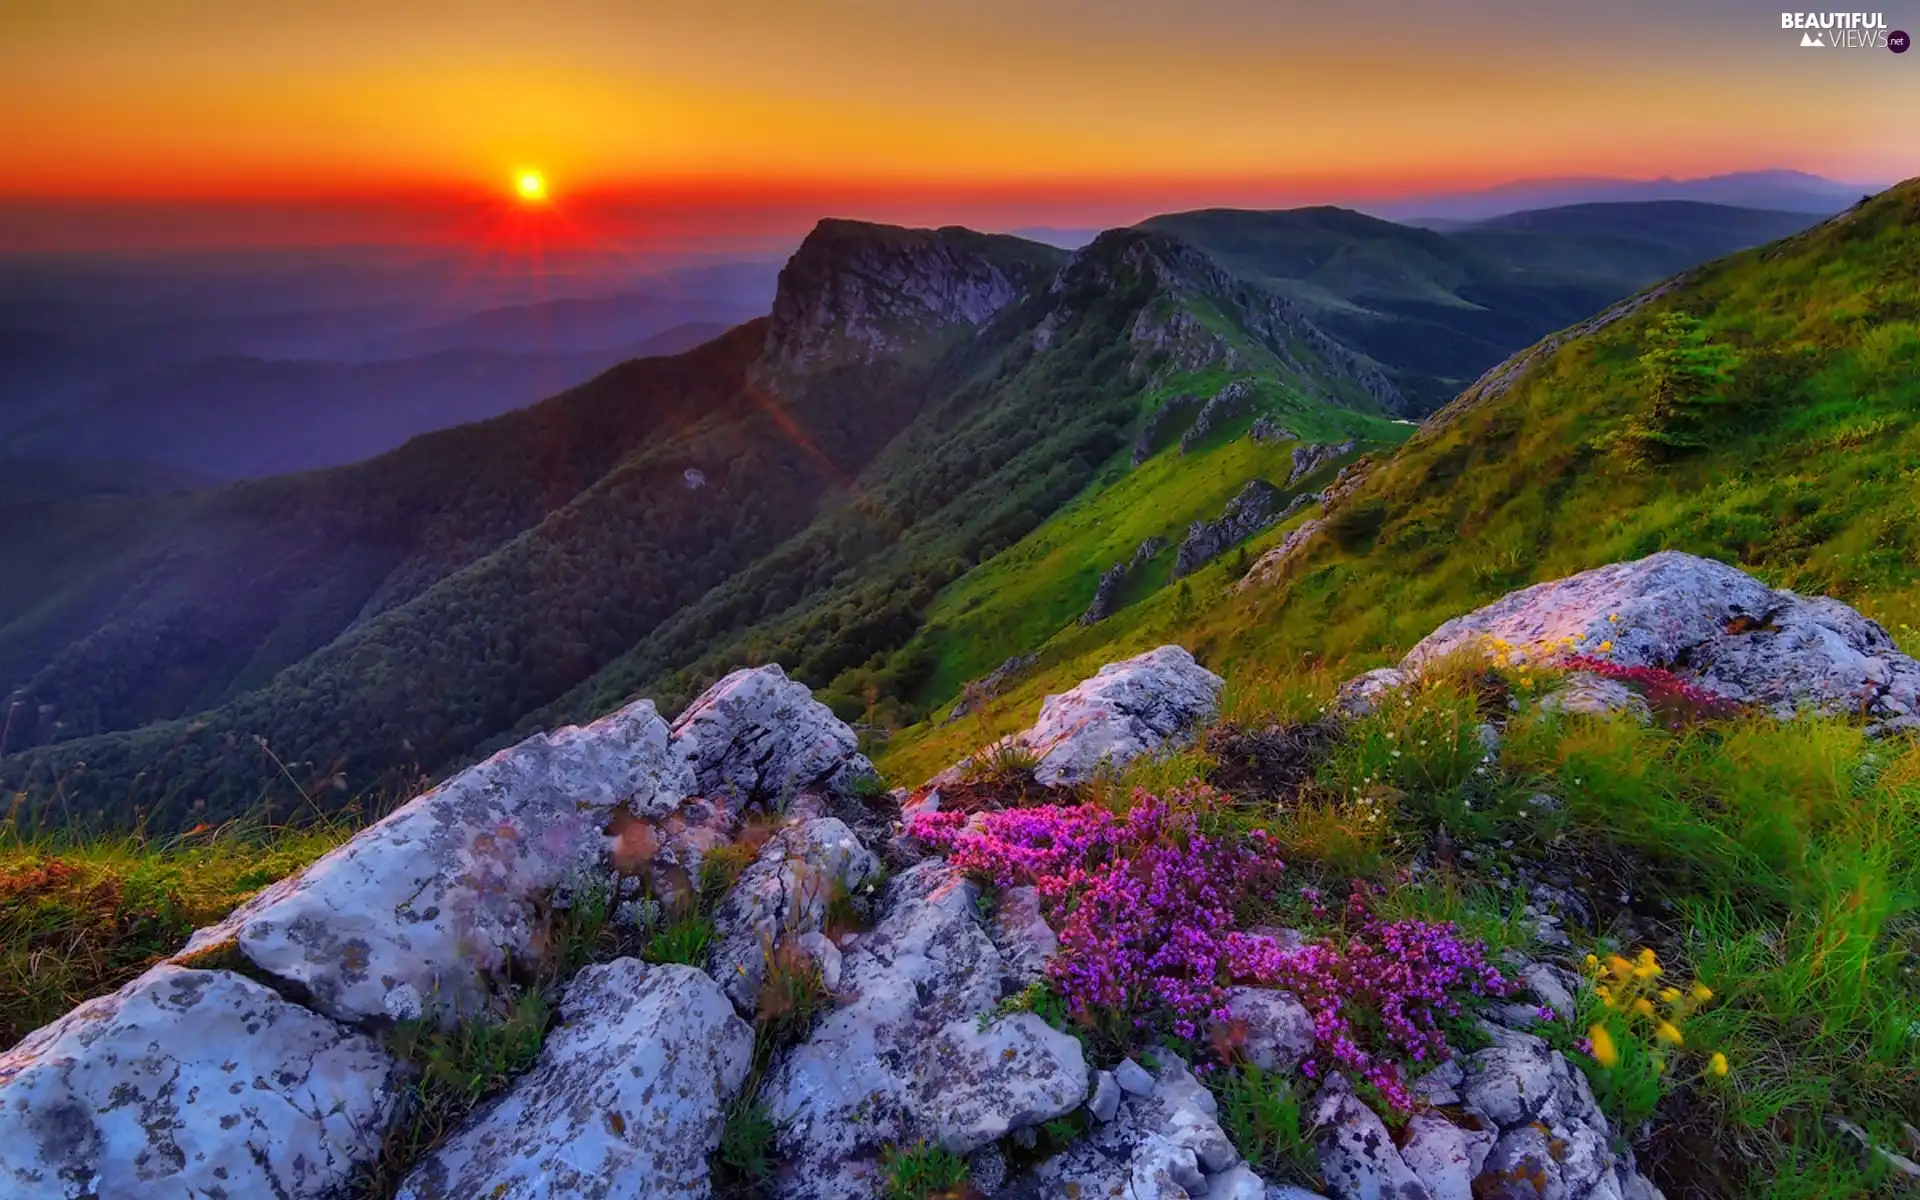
(1024, 595)
(923, 1172)
(1262, 1112)
(80, 917)
(1807, 481)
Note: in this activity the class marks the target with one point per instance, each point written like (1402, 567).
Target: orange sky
(712, 98)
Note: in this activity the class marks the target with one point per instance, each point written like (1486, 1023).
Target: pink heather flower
(1145, 907)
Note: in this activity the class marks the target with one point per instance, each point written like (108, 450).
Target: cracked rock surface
(1129, 708)
(421, 912)
(783, 893)
(1163, 1141)
(905, 1057)
(191, 1084)
(625, 1102)
(757, 737)
(1709, 622)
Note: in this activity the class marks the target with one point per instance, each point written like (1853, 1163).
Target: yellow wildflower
(1702, 992)
(1669, 994)
(1668, 1032)
(1593, 963)
(1620, 967)
(1604, 1052)
(1643, 1006)
(1606, 645)
(1718, 1063)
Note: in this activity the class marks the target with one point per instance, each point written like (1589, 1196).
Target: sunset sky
(1050, 110)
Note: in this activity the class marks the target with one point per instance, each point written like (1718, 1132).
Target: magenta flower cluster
(1146, 906)
(1674, 700)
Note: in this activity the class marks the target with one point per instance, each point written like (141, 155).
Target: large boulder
(422, 912)
(907, 1057)
(1714, 625)
(1130, 708)
(757, 737)
(783, 893)
(191, 1084)
(627, 1099)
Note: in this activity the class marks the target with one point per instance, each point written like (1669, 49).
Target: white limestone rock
(1105, 1101)
(1129, 708)
(1358, 1160)
(1593, 695)
(1718, 626)
(1022, 934)
(757, 737)
(1166, 1141)
(979, 1084)
(898, 1061)
(421, 912)
(1364, 693)
(1269, 1028)
(783, 893)
(627, 1099)
(1446, 1157)
(191, 1084)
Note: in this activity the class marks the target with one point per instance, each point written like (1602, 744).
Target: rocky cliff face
(1180, 275)
(855, 291)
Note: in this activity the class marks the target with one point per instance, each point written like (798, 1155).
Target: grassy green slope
(1021, 430)
(1809, 480)
(1434, 309)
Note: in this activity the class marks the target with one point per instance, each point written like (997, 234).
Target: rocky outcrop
(625, 1102)
(1129, 708)
(1256, 506)
(1308, 459)
(1229, 402)
(759, 738)
(1106, 596)
(908, 1057)
(855, 291)
(191, 1083)
(783, 894)
(421, 912)
(1712, 625)
(991, 684)
(1170, 412)
(1267, 428)
(1269, 567)
(1515, 1121)
(1163, 1139)
(1167, 331)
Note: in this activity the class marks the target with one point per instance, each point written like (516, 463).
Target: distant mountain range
(1436, 308)
(926, 458)
(1784, 191)
(238, 367)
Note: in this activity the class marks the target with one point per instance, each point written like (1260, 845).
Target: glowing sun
(531, 186)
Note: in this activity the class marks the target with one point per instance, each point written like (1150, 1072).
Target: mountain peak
(1191, 285)
(855, 290)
